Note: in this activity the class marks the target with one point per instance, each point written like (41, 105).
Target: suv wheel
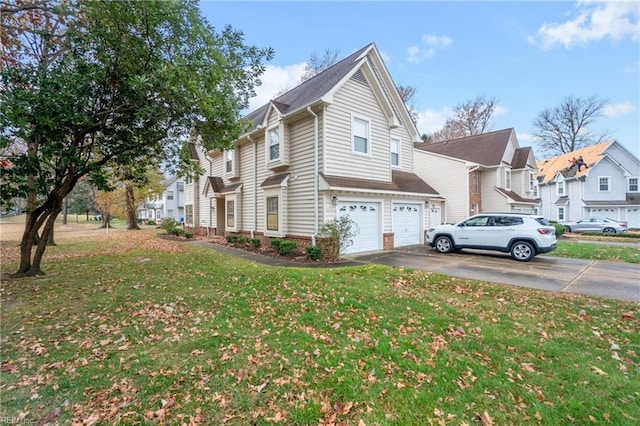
(443, 245)
(522, 251)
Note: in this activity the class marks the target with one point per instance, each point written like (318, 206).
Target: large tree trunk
(37, 217)
(106, 219)
(131, 208)
(35, 220)
(47, 233)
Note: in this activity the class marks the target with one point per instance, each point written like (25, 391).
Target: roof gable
(322, 87)
(486, 149)
(521, 157)
(549, 168)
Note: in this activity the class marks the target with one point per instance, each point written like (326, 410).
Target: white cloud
(500, 110)
(274, 80)
(595, 20)
(527, 137)
(613, 110)
(427, 48)
(430, 120)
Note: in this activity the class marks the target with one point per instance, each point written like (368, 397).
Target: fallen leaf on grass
(9, 368)
(627, 315)
(484, 418)
(598, 371)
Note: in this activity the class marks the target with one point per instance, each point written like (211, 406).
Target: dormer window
(507, 179)
(274, 144)
(560, 188)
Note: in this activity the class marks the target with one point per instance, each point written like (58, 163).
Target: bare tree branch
(565, 128)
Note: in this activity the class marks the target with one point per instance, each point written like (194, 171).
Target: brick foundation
(388, 241)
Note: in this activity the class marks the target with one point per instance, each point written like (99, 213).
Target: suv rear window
(507, 221)
(542, 221)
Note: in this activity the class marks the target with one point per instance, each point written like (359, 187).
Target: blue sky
(528, 55)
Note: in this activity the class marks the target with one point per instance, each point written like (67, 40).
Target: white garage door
(633, 218)
(407, 219)
(367, 217)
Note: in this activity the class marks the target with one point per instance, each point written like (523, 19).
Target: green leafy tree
(88, 85)
(82, 199)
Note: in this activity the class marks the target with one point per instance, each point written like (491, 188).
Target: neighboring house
(340, 143)
(170, 204)
(489, 172)
(607, 188)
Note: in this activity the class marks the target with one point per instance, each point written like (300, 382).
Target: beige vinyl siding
(356, 99)
(301, 179)
(202, 213)
(247, 206)
(406, 148)
(449, 177)
(492, 201)
(188, 193)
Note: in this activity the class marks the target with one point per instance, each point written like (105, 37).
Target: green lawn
(585, 250)
(129, 328)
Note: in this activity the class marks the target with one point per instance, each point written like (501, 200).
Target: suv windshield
(543, 221)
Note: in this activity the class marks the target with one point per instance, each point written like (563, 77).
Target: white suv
(520, 234)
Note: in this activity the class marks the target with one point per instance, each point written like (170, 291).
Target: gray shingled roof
(515, 196)
(274, 180)
(486, 149)
(400, 182)
(520, 157)
(309, 91)
(193, 151)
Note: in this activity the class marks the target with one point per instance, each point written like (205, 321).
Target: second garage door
(367, 216)
(406, 218)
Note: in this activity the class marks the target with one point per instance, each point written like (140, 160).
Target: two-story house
(169, 204)
(488, 172)
(608, 187)
(339, 144)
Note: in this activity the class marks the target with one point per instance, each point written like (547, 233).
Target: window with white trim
(603, 183)
(228, 161)
(231, 214)
(395, 152)
(475, 180)
(507, 179)
(188, 213)
(361, 139)
(273, 216)
(560, 213)
(169, 195)
(532, 181)
(560, 188)
(274, 144)
(632, 184)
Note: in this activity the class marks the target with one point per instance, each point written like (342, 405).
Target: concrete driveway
(614, 280)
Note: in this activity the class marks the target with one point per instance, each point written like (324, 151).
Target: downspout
(255, 186)
(315, 175)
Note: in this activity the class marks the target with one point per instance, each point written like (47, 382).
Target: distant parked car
(522, 235)
(595, 224)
